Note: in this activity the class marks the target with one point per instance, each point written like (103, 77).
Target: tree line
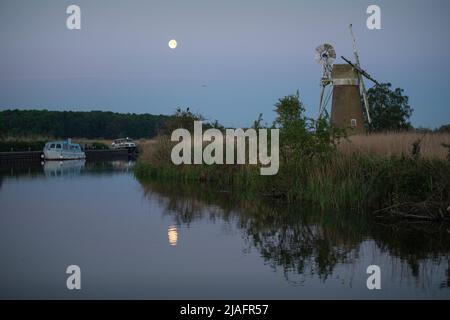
(92, 124)
(389, 110)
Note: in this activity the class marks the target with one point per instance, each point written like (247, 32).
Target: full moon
(172, 44)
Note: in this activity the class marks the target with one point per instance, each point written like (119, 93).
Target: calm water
(159, 240)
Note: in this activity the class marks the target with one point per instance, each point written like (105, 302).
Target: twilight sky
(234, 58)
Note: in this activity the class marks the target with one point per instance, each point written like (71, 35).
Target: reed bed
(365, 173)
(397, 144)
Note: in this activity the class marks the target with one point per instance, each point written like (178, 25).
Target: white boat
(125, 143)
(63, 150)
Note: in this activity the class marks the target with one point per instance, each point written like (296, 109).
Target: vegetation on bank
(389, 109)
(316, 169)
(21, 145)
(402, 185)
(93, 124)
(429, 145)
(37, 143)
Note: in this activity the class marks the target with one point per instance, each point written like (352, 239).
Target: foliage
(257, 124)
(182, 118)
(389, 109)
(96, 145)
(444, 129)
(302, 137)
(290, 111)
(447, 146)
(21, 145)
(93, 124)
(2, 129)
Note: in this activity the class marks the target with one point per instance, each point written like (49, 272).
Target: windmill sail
(361, 79)
(363, 72)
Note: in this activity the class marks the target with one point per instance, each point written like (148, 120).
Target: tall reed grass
(397, 144)
(360, 175)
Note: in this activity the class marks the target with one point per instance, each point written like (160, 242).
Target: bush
(19, 145)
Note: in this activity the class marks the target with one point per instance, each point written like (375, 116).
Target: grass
(396, 144)
(360, 175)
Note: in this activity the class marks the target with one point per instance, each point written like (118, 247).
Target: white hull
(63, 155)
(126, 143)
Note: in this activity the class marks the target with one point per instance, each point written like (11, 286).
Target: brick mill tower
(346, 106)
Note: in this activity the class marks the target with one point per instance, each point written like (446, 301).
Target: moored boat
(124, 143)
(63, 150)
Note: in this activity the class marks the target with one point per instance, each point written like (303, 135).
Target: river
(159, 240)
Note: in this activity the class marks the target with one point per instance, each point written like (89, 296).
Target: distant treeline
(92, 124)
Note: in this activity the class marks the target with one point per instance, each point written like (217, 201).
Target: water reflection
(306, 243)
(123, 233)
(172, 233)
(63, 168)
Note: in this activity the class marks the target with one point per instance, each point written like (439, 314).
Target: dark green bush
(17, 145)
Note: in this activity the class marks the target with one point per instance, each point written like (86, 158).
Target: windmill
(325, 55)
(346, 83)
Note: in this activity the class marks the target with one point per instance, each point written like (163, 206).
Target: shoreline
(401, 187)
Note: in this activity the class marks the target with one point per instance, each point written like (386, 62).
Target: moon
(172, 44)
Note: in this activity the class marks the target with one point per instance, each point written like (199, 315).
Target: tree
(389, 109)
(2, 127)
(291, 121)
(92, 124)
(182, 118)
(444, 128)
(302, 137)
(216, 125)
(289, 111)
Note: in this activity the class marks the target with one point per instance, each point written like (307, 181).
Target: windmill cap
(344, 75)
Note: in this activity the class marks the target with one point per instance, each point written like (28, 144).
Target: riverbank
(37, 143)
(406, 185)
(91, 155)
